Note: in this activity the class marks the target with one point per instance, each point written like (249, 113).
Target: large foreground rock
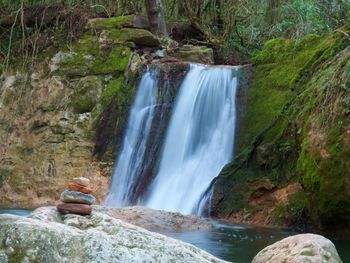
(299, 249)
(46, 236)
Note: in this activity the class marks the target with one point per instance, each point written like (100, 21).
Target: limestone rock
(156, 220)
(81, 180)
(97, 238)
(79, 188)
(298, 249)
(199, 54)
(69, 196)
(79, 209)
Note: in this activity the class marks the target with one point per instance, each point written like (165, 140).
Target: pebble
(81, 180)
(79, 188)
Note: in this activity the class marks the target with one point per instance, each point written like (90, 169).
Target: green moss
(111, 23)
(87, 93)
(88, 59)
(297, 126)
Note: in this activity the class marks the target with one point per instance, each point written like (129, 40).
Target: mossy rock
(87, 93)
(199, 54)
(131, 21)
(299, 106)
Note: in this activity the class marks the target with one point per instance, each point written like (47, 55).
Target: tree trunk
(156, 18)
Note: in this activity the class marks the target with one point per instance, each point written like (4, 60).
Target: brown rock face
(79, 209)
(79, 188)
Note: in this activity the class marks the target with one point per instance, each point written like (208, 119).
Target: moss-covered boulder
(129, 21)
(296, 131)
(199, 54)
(87, 92)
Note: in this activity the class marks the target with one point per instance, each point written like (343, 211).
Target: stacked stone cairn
(77, 198)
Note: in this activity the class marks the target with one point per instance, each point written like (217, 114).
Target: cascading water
(199, 140)
(131, 157)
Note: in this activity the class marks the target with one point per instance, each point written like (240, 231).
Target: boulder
(69, 196)
(199, 54)
(79, 188)
(81, 180)
(131, 21)
(156, 220)
(140, 37)
(79, 209)
(97, 238)
(298, 249)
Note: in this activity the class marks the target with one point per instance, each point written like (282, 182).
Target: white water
(130, 159)
(199, 140)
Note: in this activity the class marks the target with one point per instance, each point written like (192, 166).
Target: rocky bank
(47, 236)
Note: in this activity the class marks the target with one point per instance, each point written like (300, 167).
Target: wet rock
(299, 248)
(156, 220)
(79, 209)
(81, 180)
(79, 188)
(199, 54)
(97, 238)
(69, 196)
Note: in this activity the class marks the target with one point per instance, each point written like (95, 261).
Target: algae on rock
(296, 131)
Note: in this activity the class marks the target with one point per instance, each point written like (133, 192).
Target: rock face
(299, 249)
(291, 134)
(48, 237)
(48, 135)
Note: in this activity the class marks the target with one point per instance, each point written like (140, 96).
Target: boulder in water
(299, 248)
(69, 196)
(97, 238)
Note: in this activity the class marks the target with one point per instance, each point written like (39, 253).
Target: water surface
(240, 243)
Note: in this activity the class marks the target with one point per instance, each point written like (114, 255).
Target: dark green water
(238, 243)
(241, 243)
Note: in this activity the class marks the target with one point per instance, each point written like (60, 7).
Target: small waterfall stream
(129, 163)
(198, 143)
(199, 139)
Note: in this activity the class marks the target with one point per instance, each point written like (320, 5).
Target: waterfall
(129, 163)
(199, 140)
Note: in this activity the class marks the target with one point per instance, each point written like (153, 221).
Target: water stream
(199, 140)
(129, 163)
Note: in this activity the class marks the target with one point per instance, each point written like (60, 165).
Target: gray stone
(69, 196)
(97, 238)
(299, 249)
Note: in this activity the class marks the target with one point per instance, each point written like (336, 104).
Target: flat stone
(79, 209)
(79, 188)
(81, 180)
(69, 196)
